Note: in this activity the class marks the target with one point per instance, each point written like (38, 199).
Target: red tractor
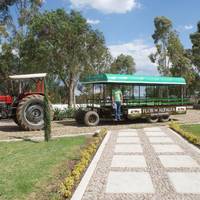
(25, 108)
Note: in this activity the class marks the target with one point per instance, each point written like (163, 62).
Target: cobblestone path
(150, 163)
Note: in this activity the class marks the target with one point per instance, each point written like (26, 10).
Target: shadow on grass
(25, 139)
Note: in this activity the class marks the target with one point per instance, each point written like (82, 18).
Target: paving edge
(79, 192)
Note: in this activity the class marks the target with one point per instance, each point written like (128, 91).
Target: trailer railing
(141, 102)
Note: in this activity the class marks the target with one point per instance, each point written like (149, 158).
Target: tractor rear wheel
(30, 113)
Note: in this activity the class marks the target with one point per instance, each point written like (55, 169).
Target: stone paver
(150, 133)
(128, 148)
(188, 182)
(178, 161)
(128, 140)
(123, 134)
(160, 140)
(167, 148)
(146, 164)
(122, 182)
(128, 161)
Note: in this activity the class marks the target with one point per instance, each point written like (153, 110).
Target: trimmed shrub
(189, 136)
(69, 184)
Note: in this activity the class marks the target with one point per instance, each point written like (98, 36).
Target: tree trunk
(71, 90)
(70, 95)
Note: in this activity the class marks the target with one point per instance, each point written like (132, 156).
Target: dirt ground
(9, 130)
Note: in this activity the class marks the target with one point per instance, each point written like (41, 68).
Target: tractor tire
(15, 120)
(79, 116)
(153, 119)
(91, 118)
(164, 118)
(30, 113)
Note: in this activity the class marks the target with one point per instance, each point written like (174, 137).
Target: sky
(128, 24)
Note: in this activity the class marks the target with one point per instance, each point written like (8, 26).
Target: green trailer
(152, 97)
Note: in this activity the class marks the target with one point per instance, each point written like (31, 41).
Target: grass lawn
(28, 170)
(194, 129)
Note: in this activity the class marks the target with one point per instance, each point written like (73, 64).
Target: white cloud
(107, 6)
(188, 27)
(140, 52)
(93, 22)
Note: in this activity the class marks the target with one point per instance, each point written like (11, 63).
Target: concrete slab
(185, 182)
(160, 140)
(178, 161)
(128, 148)
(128, 161)
(128, 140)
(122, 134)
(152, 129)
(128, 130)
(129, 182)
(159, 133)
(167, 148)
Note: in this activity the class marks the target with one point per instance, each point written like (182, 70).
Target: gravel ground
(163, 187)
(9, 130)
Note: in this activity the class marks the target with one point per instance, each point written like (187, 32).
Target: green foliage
(68, 186)
(195, 39)
(60, 114)
(47, 115)
(123, 64)
(171, 57)
(181, 63)
(163, 27)
(64, 44)
(189, 135)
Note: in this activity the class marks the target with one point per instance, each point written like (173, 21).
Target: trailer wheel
(79, 116)
(153, 119)
(91, 118)
(30, 113)
(164, 118)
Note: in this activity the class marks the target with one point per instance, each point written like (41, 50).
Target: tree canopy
(195, 39)
(123, 64)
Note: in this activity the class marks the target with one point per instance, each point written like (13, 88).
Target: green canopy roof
(124, 78)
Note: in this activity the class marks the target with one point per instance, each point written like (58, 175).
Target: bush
(189, 136)
(64, 113)
(68, 186)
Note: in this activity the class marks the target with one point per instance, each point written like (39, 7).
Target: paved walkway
(149, 163)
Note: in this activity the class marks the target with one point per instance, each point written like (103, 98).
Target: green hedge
(189, 136)
(60, 114)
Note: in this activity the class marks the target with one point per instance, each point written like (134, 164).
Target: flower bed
(189, 136)
(74, 177)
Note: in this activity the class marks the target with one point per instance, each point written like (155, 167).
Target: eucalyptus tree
(163, 27)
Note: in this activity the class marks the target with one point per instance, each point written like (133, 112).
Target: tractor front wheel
(91, 118)
(30, 113)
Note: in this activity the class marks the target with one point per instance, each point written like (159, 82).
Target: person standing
(117, 100)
